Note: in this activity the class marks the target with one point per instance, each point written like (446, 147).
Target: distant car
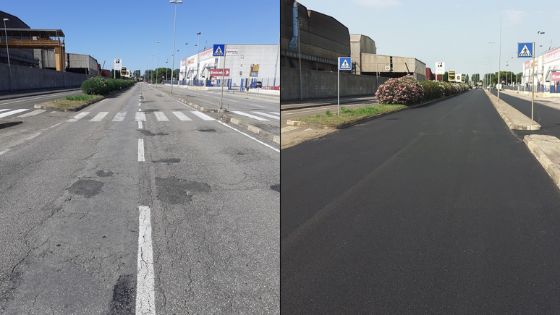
(258, 85)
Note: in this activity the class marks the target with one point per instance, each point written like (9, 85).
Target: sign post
(527, 50)
(219, 50)
(344, 64)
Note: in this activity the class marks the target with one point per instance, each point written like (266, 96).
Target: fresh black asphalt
(434, 210)
(547, 117)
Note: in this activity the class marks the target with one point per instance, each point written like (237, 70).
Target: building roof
(27, 32)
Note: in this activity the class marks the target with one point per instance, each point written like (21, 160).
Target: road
(433, 210)
(123, 206)
(258, 110)
(548, 117)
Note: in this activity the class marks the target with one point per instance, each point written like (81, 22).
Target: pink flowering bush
(404, 90)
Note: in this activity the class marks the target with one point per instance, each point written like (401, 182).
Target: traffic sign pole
(223, 75)
(338, 84)
(533, 84)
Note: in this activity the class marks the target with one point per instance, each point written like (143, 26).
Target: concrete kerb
(513, 118)
(546, 150)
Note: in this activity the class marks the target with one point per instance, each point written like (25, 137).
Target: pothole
(103, 173)
(86, 187)
(275, 187)
(151, 134)
(168, 161)
(174, 190)
(206, 130)
(124, 293)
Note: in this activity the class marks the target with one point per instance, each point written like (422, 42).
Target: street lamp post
(8, 51)
(197, 56)
(175, 2)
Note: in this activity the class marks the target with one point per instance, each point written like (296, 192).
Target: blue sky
(455, 31)
(128, 29)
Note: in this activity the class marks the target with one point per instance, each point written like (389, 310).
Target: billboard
(117, 64)
(219, 72)
(440, 67)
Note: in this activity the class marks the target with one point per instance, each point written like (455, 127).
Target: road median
(70, 103)
(513, 118)
(546, 150)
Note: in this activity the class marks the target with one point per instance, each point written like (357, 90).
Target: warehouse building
(245, 65)
(547, 71)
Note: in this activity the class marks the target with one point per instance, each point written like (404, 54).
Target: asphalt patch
(206, 130)
(168, 161)
(103, 173)
(149, 110)
(175, 191)
(86, 187)
(9, 124)
(124, 293)
(151, 134)
(275, 187)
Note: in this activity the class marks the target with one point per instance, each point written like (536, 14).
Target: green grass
(72, 102)
(350, 114)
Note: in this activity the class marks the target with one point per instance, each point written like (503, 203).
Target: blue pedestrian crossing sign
(525, 50)
(219, 50)
(344, 63)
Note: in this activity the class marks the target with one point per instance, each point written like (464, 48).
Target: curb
(79, 108)
(502, 107)
(546, 150)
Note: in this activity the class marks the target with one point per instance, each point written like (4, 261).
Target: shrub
(102, 86)
(404, 90)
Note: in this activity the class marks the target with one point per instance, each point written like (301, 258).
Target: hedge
(406, 90)
(103, 86)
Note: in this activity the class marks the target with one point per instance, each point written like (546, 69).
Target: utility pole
(175, 2)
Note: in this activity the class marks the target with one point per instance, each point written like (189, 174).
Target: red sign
(219, 72)
(555, 76)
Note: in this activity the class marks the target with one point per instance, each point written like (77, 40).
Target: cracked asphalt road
(69, 214)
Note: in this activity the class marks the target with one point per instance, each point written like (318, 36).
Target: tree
(475, 77)
(446, 76)
(466, 79)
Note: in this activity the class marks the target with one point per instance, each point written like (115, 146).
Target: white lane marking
(140, 125)
(33, 136)
(141, 150)
(248, 136)
(99, 116)
(3, 110)
(160, 116)
(2, 152)
(249, 115)
(119, 116)
(202, 115)
(140, 116)
(12, 112)
(145, 294)
(33, 113)
(79, 116)
(267, 115)
(181, 116)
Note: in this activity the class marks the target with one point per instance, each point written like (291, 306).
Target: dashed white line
(78, 117)
(119, 116)
(12, 112)
(140, 125)
(140, 116)
(160, 116)
(141, 150)
(202, 115)
(33, 113)
(267, 115)
(145, 294)
(181, 116)
(99, 116)
(249, 115)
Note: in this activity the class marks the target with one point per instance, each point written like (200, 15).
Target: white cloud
(378, 3)
(513, 16)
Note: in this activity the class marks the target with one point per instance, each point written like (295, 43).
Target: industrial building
(41, 48)
(244, 66)
(367, 62)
